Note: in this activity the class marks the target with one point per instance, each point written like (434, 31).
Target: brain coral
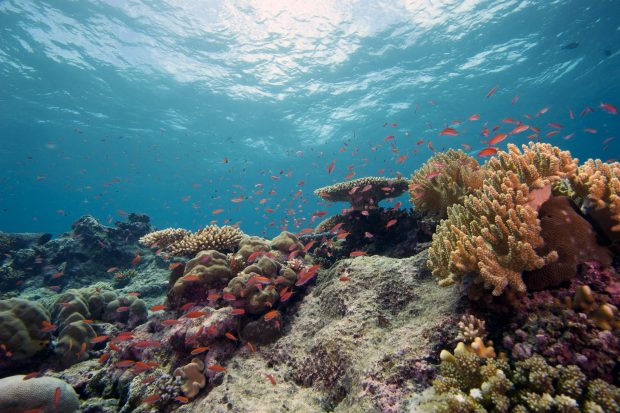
(445, 179)
(363, 193)
(21, 322)
(18, 395)
(211, 237)
(495, 233)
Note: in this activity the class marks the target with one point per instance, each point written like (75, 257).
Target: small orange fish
(112, 269)
(125, 363)
(56, 398)
(195, 314)
(217, 367)
(114, 347)
(487, 151)
(354, 254)
(491, 91)
(158, 307)
(122, 309)
(251, 347)
(497, 138)
(174, 265)
(151, 399)
(474, 117)
(198, 350)
(104, 357)
(449, 132)
(190, 278)
(271, 315)
(217, 211)
(330, 168)
(391, 222)
(147, 380)
(519, 129)
(271, 379)
(31, 375)
(229, 297)
(170, 322)
(136, 260)
(58, 274)
(214, 296)
(286, 296)
(231, 336)
(181, 399)
(343, 278)
(187, 306)
(98, 339)
(88, 321)
(238, 311)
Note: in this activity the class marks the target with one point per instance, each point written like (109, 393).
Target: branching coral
(445, 179)
(495, 232)
(211, 237)
(163, 238)
(363, 193)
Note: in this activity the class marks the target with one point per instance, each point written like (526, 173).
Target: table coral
(445, 179)
(163, 238)
(363, 193)
(211, 237)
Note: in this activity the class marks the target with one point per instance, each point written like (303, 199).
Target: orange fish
(190, 278)
(136, 260)
(390, 223)
(174, 265)
(474, 117)
(104, 357)
(271, 379)
(214, 296)
(238, 311)
(285, 297)
(491, 91)
(271, 315)
(181, 399)
(231, 336)
(217, 367)
(343, 278)
(487, 152)
(158, 307)
(609, 108)
(98, 339)
(497, 138)
(170, 322)
(151, 399)
(238, 199)
(354, 254)
(31, 375)
(58, 274)
(56, 398)
(122, 309)
(187, 306)
(195, 314)
(519, 129)
(251, 347)
(112, 269)
(125, 363)
(198, 350)
(330, 168)
(449, 132)
(217, 211)
(555, 125)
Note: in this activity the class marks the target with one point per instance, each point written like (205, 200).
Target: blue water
(174, 108)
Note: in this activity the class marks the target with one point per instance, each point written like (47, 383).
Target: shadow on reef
(386, 232)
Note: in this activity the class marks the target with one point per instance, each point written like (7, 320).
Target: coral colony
(352, 314)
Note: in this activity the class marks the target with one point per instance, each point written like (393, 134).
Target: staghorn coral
(445, 179)
(163, 238)
(21, 322)
(470, 327)
(211, 237)
(193, 377)
(363, 193)
(495, 233)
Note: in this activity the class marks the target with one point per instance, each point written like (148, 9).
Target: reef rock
(365, 339)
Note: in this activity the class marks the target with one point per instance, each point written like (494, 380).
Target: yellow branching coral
(445, 179)
(164, 237)
(495, 232)
(211, 237)
(597, 186)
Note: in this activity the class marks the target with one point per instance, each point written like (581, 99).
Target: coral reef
(18, 395)
(363, 193)
(495, 233)
(193, 377)
(163, 238)
(445, 178)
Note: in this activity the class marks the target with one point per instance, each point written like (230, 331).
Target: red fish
(181, 399)
(391, 222)
(195, 314)
(515, 99)
(31, 375)
(56, 399)
(170, 322)
(590, 130)
(271, 315)
(519, 129)
(125, 363)
(449, 131)
(151, 399)
(174, 265)
(104, 357)
(98, 339)
(271, 379)
(122, 309)
(158, 307)
(231, 336)
(497, 139)
(487, 152)
(389, 138)
(609, 108)
(238, 311)
(343, 278)
(330, 168)
(217, 211)
(187, 306)
(555, 125)
(491, 91)
(198, 350)
(217, 367)
(474, 117)
(354, 254)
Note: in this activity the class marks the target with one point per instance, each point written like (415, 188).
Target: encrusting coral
(363, 193)
(18, 395)
(445, 179)
(22, 332)
(185, 243)
(193, 377)
(495, 233)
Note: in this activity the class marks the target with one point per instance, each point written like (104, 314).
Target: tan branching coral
(445, 179)
(193, 377)
(495, 232)
(363, 193)
(211, 237)
(164, 237)
(470, 327)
